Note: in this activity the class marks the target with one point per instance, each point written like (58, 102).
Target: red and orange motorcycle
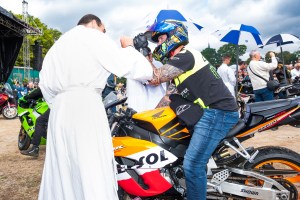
(8, 106)
(149, 148)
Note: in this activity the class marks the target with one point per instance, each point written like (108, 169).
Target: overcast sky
(269, 17)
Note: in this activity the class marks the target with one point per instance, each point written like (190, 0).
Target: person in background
(30, 87)
(242, 69)
(279, 72)
(261, 92)
(79, 162)
(295, 73)
(40, 126)
(110, 86)
(227, 74)
(19, 89)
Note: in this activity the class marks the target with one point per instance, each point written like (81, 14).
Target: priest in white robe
(79, 154)
(142, 96)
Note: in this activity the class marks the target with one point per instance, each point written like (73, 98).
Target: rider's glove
(140, 42)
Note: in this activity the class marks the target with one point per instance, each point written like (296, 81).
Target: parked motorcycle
(8, 106)
(149, 148)
(287, 91)
(245, 95)
(28, 111)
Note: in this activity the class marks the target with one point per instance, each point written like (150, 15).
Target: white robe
(144, 97)
(79, 154)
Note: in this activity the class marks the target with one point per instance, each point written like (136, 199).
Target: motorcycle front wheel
(10, 113)
(277, 158)
(23, 140)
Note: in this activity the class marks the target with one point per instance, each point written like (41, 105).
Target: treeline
(215, 56)
(47, 39)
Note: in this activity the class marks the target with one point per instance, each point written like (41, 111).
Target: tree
(212, 56)
(230, 49)
(47, 39)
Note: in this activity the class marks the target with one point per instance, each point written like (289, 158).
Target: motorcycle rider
(40, 126)
(195, 80)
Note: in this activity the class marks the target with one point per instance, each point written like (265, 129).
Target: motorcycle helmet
(177, 35)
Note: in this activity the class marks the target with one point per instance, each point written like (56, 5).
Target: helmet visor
(157, 29)
(161, 27)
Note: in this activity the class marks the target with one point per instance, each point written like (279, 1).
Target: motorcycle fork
(243, 152)
(8, 104)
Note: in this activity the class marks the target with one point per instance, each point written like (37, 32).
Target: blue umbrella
(164, 15)
(279, 40)
(238, 34)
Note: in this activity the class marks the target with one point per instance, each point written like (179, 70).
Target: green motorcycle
(28, 111)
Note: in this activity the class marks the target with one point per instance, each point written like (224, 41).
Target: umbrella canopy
(282, 39)
(279, 40)
(238, 34)
(163, 15)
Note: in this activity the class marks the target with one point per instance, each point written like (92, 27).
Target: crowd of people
(24, 88)
(79, 142)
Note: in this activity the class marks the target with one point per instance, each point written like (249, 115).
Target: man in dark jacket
(40, 126)
(198, 82)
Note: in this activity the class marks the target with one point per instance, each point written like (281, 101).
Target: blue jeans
(263, 95)
(208, 132)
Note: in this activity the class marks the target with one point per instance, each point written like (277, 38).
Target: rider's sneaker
(32, 151)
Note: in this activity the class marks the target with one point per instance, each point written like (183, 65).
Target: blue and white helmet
(177, 35)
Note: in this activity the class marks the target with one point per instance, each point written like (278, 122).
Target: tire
(272, 157)
(23, 140)
(10, 113)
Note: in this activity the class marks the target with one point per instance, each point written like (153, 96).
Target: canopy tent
(12, 31)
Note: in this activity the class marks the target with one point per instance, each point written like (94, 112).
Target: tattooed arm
(165, 101)
(164, 74)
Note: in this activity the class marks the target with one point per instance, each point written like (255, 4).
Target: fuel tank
(162, 121)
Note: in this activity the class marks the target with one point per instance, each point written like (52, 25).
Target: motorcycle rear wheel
(277, 158)
(23, 140)
(10, 113)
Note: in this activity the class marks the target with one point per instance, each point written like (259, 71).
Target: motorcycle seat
(236, 129)
(268, 105)
(255, 112)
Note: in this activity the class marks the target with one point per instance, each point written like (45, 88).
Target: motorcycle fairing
(41, 107)
(162, 121)
(270, 123)
(255, 112)
(150, 158)
(176, 147)
(145, 152)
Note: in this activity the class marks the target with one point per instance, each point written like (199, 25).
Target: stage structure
(12, 32)
(26, 45)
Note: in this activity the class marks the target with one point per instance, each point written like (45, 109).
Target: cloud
(126, 17)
